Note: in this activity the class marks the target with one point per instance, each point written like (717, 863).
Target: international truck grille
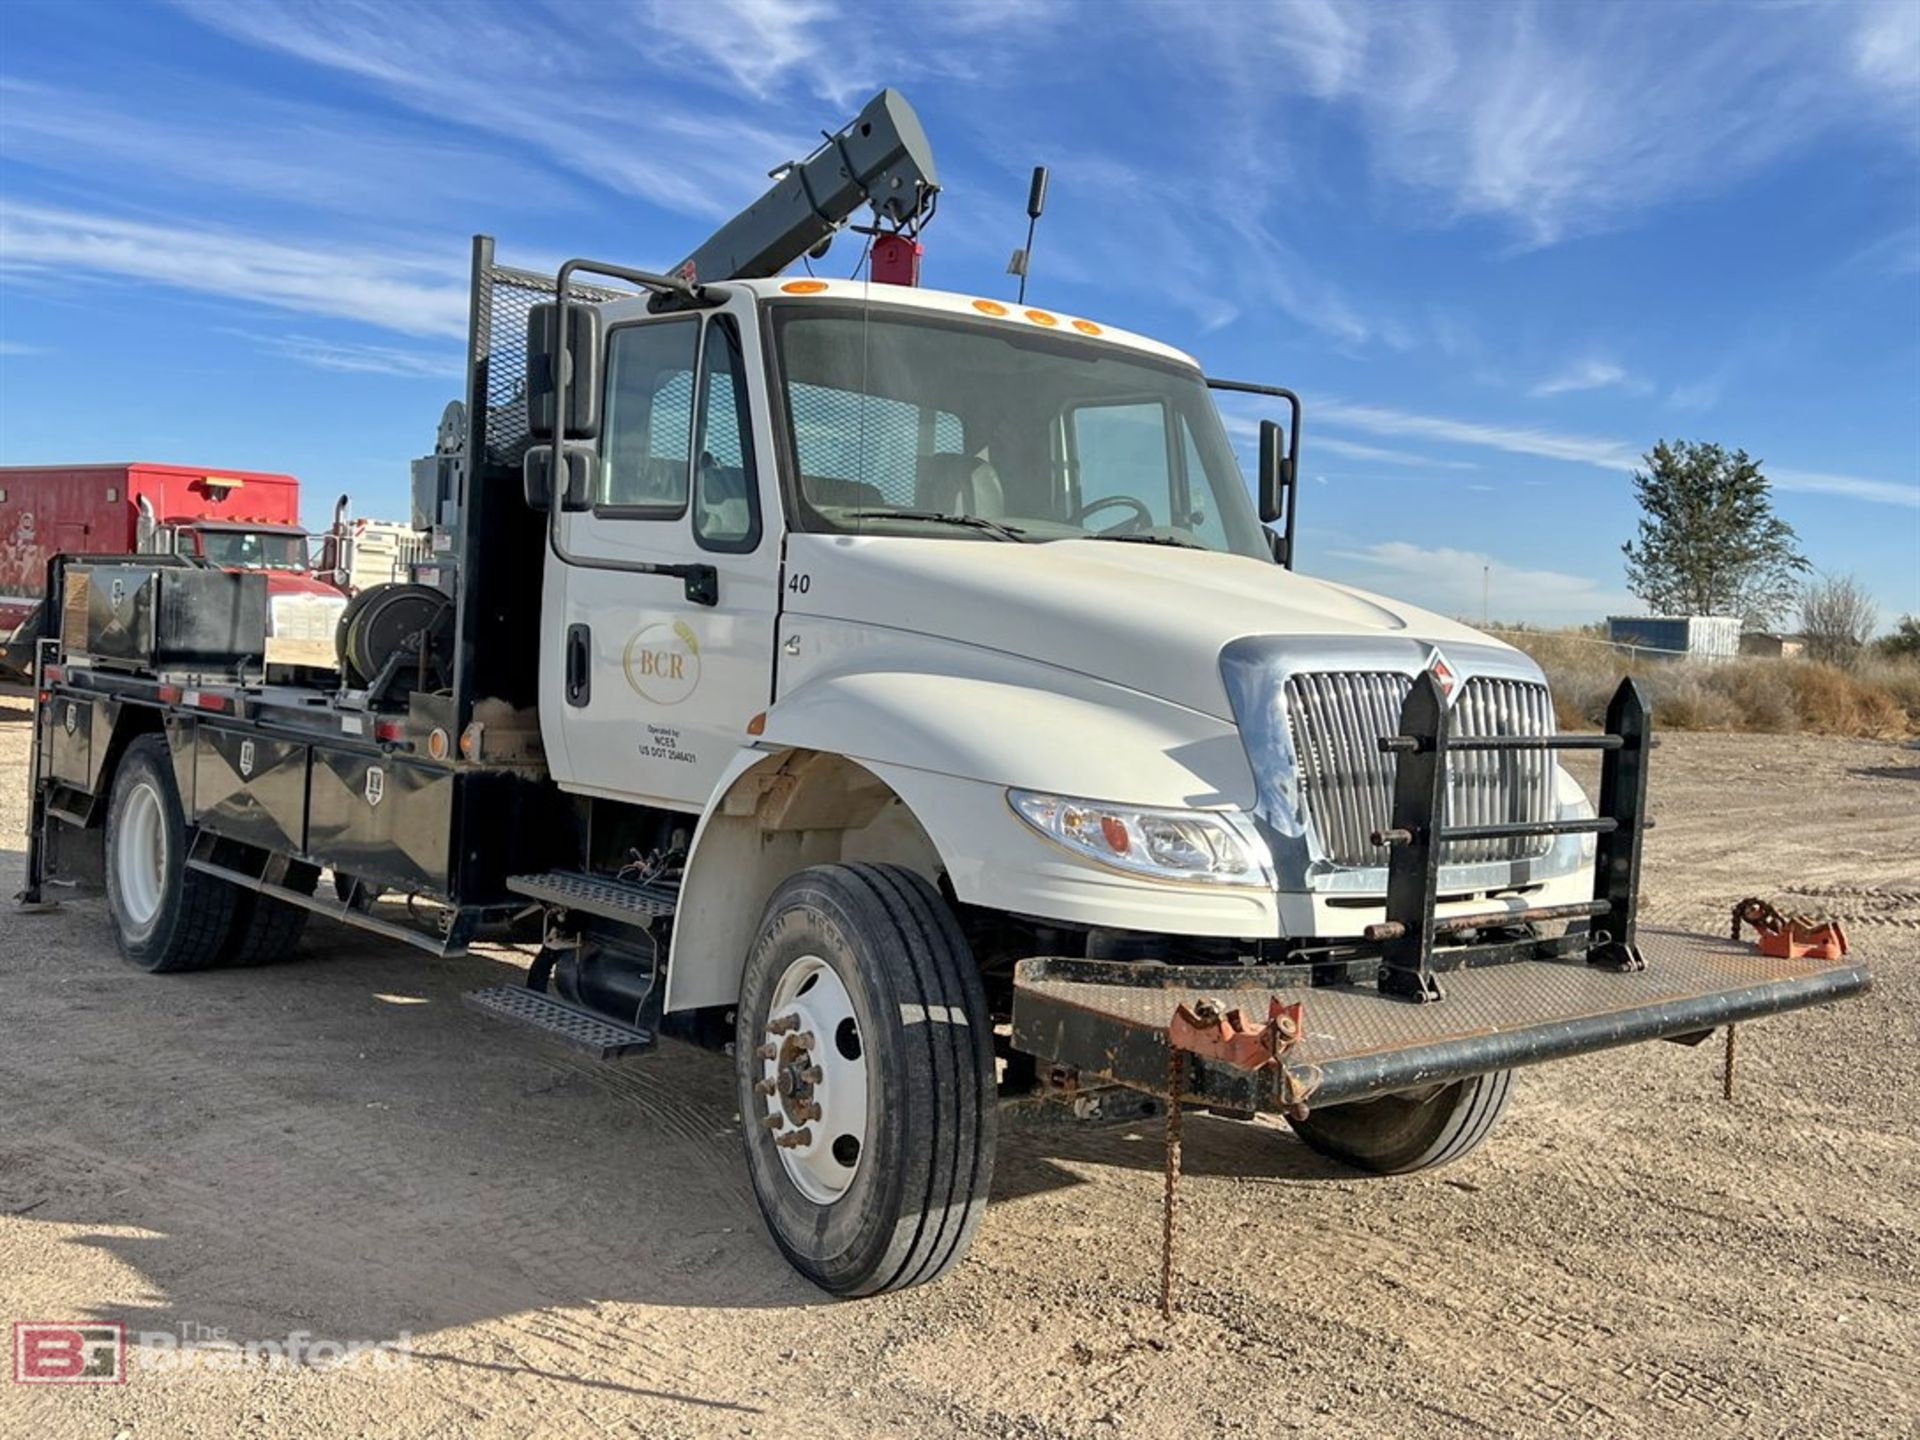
(1337, 719)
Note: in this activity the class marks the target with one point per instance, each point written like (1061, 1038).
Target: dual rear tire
(167, 916)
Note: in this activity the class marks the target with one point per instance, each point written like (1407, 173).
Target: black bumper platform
(1110, 1019)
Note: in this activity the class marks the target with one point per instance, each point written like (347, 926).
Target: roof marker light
(1041, 317)
(804, 287)
(1087, 327)
(989, 307)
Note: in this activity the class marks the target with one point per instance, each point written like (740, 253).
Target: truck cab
(980, 550)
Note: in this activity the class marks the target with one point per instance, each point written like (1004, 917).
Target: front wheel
(864, 1057)
(1418, 1130)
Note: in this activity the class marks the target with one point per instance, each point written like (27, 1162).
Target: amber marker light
(1041, 317)
(989, 307)
(804, 287)
(1087, 327)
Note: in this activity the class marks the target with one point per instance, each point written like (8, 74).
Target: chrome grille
(1337, 719)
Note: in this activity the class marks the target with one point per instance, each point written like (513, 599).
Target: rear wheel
(265, 929)
(863, 1051)
(166, 917)
(1417, 1130)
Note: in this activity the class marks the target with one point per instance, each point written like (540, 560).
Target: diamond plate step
(597, 895)
(560, 1020)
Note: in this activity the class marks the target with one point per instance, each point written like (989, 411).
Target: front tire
(166, 917)
(1399, 1134)
(863, 1041)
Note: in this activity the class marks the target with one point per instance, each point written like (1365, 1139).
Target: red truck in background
(229, 519)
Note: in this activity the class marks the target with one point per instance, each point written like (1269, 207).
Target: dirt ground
(337, 1147)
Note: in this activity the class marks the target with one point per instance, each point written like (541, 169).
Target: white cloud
(1886, 49)
(1854, 487)
(715, 33)
(1454, 581)
(293, 154)
(412, 294)
(351, 357)
(559, 81)
(1514, 439)
(1699, 395)
(1354, 450)
(1604, 454)
(1563, 119)
(1589, 374)
(13, 348)
(1897, 253)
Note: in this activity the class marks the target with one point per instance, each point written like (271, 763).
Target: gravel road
(337, 1147)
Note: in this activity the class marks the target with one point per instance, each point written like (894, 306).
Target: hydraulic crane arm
(880, 158)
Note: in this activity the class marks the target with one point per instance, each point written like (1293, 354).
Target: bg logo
(73, 1354)
(663, 662)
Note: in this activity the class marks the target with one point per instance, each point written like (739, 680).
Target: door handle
(579, 671)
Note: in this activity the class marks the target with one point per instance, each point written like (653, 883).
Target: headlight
(1219, 847)
(1574, 805)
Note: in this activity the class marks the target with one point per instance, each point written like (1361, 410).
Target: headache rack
(1421, 997)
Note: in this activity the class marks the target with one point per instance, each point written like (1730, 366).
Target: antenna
(1036, 204)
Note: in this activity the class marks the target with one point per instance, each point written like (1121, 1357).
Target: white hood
(1150, 617)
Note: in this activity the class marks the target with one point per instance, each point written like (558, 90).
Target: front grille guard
(1348, 1019)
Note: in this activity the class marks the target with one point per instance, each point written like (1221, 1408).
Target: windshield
(903, 422)
(254, 549)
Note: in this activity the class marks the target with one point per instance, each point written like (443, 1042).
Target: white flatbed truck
(906, 692)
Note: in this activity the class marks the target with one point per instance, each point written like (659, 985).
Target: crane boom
(880, 157)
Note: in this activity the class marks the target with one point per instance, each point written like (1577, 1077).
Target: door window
(726, 503)
(649, 424)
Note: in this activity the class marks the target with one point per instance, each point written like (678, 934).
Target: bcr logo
(662, 662)
(47, 1353)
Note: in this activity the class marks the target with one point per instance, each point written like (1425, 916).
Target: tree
(1709, 541)
(1836, 617)
(1903, 641)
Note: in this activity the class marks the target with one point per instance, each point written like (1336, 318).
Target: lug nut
(768, 1052)
(783, 1024)
(793, 1139)
(763, 1087)
(810, 1111)
(772, 1122)
(813, 1075)
(802, 1041)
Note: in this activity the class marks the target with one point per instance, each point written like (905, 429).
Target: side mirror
(1273, 471)
(536, 476)
(580, 358)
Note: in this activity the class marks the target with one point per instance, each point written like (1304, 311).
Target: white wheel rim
(813, 1080)
(140, 853)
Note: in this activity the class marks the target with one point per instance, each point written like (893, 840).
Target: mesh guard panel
(499, 354)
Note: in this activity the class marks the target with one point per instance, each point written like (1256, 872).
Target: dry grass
(1877, 698)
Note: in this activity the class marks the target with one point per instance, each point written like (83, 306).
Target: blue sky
(1500, 249)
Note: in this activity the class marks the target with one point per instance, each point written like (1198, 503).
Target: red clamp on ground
(1790, 937)
(1203, 1029)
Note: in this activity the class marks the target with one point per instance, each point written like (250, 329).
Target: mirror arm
(1289, 469)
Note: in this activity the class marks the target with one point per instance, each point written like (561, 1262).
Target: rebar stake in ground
(1726, 1071)
(1176, 1074)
